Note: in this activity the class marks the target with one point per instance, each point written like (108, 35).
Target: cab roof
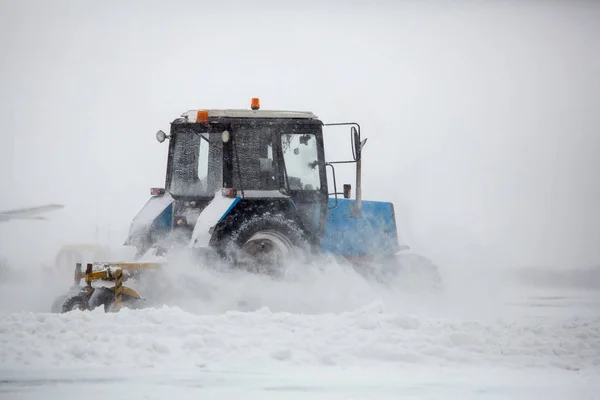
(191, 115)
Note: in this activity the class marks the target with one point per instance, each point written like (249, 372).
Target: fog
(481, 117)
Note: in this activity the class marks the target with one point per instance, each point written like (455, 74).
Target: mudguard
(156, 215)
(214, 212)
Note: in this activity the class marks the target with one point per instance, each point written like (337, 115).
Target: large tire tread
(73, 301)
(276, 223)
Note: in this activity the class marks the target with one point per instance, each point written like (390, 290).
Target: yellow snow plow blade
(112, 298)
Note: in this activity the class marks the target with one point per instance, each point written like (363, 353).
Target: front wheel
(75, 303)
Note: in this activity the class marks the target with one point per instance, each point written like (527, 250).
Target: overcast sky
(482, 118)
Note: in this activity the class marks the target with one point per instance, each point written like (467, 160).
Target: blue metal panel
(235, 201)
(372, 232)
(156, 215)
(165, 219)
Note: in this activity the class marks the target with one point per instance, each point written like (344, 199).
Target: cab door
(303, 173)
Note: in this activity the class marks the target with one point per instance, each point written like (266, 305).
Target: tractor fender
(214, 212)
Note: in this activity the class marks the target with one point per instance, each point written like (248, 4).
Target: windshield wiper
(213, 145)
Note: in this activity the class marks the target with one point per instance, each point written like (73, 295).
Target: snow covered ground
(323, 332)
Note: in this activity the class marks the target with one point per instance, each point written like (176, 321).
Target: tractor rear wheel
(268, 246)
(263, 244)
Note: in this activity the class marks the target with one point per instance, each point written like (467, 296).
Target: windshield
(196, 169)
(254, 154)
(301, 161)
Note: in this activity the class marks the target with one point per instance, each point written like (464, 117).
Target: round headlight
(161, 136)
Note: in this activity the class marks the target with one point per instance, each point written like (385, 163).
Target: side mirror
(161, 136)
(357, 143)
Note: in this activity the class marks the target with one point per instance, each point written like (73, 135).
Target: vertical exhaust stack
(358, 145)
(358, 206)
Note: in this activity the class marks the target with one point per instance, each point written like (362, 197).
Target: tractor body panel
(212, 214)
(373, 232)
(153, 221)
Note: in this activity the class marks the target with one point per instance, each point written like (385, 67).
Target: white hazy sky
(482, 117)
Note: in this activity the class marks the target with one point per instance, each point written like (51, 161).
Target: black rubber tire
(263, 229)
(72, 302)
(104, 298)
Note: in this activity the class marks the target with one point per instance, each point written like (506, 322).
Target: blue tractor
(250, 186)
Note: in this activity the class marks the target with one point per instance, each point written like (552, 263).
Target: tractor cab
(270, 160)
(246, 152)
